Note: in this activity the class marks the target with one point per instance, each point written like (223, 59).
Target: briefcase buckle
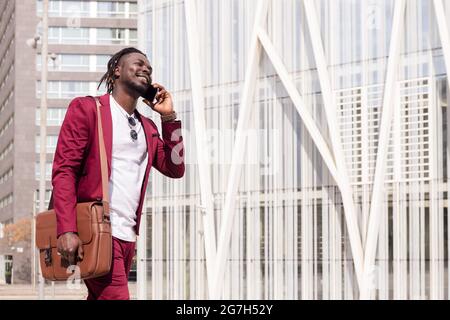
(48, 257)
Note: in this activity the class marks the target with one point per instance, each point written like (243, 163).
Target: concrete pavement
(60, 291)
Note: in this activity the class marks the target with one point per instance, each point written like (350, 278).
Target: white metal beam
(207, 206)
(141, 244)
(297, 100)
(443, 34)
(245, 110)
(330, 111)
(141, 257)
(383, 144)
(445, 41)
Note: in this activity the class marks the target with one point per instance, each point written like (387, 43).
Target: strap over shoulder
(103, 162)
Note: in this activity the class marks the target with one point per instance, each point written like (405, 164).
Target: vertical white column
(127, 37)
(444, 33)
(299, 103)
(141, 259)
(383, 142)
(127, 10)
(239, 149)
(2, 269)
(93, 9)
(43, 124)
(207, 205)
(365, 38)
(330, 111)
(93, 88)
(92, 62)
(141, 255)
(92, 36)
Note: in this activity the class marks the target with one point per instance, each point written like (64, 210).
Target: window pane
(53, 34)
(104, 6)
(76, 62)
(48, 171)
(55, 116)
(133, 8)
(110, 36)
(104, 33)
(75, 8)
(102, 62)
(51, 143)
(75, 36)
(106, 9)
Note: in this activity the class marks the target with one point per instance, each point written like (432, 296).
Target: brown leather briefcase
(94, 230)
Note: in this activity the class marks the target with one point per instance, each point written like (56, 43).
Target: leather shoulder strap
(103, 162)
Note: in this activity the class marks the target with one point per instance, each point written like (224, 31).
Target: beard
(135, 85)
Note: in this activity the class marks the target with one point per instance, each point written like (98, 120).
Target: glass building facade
(316, 145)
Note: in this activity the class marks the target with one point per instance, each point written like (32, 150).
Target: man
(132, 145)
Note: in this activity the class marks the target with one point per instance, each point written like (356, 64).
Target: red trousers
(114, 285)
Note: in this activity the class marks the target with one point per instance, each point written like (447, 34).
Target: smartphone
(151, 93)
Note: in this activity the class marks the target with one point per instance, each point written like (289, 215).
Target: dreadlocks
(109, 76)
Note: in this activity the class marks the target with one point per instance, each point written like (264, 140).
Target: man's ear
(117, 72)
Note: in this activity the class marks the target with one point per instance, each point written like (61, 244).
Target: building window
(55, 116)
(66, 62)
(111, 9)
(48, 194)
(10, 70)
(73, 88)
(63, 35)
(111, 36)
(81, 8)
(6, 126)
(6, 150)
(51, 143)
(102, 62)
(101, 90)
(76, 62)
(133, 9)
(5, 201)
(133, 36)
(5, 177)
(74, 8)
(48, 171)
(66, 8)
(5, 102)
(8, 49)
(64, 89)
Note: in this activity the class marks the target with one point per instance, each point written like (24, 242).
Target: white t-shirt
(128, 164)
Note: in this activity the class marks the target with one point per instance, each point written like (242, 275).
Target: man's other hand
(70, 247)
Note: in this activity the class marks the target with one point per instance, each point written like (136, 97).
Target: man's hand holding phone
(159, 99)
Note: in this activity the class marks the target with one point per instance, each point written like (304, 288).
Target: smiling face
(134, 72)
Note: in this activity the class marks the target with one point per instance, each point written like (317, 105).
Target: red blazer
(76, 173)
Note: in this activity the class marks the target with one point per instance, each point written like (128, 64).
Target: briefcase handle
(103, 165)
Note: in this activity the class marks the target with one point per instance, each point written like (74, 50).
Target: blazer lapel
(107, 128)
(148, 135)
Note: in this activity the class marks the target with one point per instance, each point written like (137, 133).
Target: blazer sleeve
(70, 151)
(169, 156)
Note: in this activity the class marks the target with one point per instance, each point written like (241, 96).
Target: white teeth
(146, 79)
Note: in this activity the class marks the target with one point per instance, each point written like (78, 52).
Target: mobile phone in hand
(150, 94)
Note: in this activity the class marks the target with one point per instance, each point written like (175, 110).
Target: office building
(316, 146)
